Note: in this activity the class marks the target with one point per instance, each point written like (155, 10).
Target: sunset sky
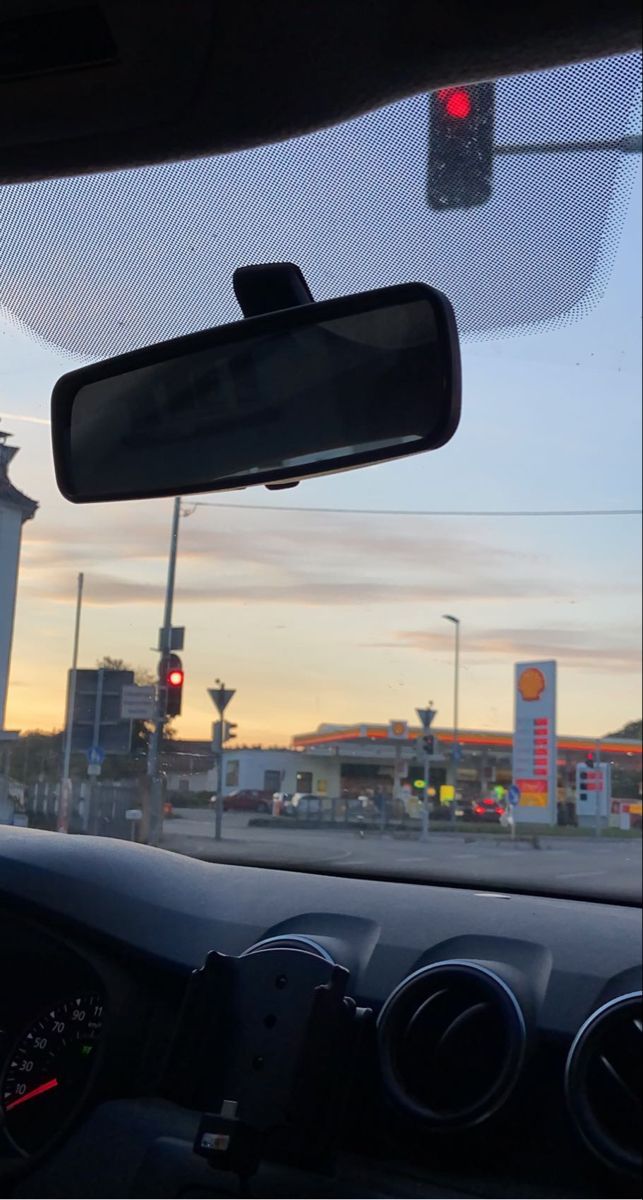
(317, 617)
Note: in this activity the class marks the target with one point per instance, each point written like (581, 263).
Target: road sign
(94, 769)
(426, 716)
(133, 814)
(95, 756)
(513, 795)
(137, 703)
(221, 697)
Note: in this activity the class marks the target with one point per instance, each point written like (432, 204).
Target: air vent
(452, 1039)
(293, 941)
(603, 1082)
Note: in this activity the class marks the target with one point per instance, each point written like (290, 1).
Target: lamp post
(455, 621)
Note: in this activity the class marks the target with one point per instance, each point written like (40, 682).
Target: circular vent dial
(603, 1082)
(452, 1039)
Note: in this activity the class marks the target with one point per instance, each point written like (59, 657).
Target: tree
(632, 729)
(35, 756)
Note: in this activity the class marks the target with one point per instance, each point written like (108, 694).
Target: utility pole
(153, 754)
(64, 802)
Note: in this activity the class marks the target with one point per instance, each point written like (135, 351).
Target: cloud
(585, 648)
(107, 590)
(285, 558)
(11, 416)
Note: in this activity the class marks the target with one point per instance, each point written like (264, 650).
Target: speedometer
(48, 1071)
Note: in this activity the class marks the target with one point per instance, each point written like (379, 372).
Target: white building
(15, 509)
(265, 771)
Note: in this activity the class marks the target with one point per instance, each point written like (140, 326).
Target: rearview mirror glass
(273, 399)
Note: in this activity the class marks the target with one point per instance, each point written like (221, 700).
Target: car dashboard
(499, 1034)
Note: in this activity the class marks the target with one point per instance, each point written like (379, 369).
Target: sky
(337, 616)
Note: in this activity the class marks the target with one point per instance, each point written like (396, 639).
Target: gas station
(385, 757)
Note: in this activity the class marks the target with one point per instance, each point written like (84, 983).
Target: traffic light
(428, 745)
(222, 732)
(461, 144)
(173, 676)
(582, 790)
(590, 760)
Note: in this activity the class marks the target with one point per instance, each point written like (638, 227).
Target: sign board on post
(593, 787)
(534, 742)
(137, 703)
(96, 718)
(176, 639)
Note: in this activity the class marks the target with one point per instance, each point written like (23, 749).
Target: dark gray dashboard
(150, 917)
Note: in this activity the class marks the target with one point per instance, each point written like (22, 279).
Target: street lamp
(455, 621)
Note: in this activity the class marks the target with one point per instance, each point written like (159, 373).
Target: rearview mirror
(269, 400)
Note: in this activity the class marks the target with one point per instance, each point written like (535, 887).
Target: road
(584, 866)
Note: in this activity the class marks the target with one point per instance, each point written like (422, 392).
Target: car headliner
(113, 84)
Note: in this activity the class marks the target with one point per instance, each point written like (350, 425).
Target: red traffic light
(457, 102)
(173, 677)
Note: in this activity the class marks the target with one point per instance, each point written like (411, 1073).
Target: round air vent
(290, 941)
(452, 1039)
(603, 1082)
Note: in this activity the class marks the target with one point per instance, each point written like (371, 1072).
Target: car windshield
(433, 665)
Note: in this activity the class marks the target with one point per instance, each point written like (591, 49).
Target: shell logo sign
(531, 684)
(398, 729)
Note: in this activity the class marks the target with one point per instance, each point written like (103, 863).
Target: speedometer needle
(37, 1091)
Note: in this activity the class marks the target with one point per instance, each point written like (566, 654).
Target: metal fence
(96, 808)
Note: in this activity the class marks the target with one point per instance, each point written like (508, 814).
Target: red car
(487, 809)
(248, 801)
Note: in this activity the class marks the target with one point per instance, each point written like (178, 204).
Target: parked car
(247, 800)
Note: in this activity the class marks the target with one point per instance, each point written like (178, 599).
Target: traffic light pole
(218, 804)
(153, 754)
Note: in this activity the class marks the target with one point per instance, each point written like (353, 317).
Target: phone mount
(266, 1049)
